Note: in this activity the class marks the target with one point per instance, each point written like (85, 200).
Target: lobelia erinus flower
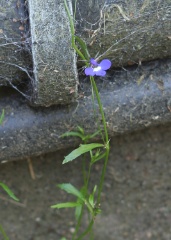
(98, 69)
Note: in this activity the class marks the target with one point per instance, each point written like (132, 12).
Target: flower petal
(89, 71)
(101, 73)
(93, 62)
(105, 64)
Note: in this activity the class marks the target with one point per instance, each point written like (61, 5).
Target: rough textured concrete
(35, 49)
(15, 57)
(54, 61)
(126, 31)
(129, 104)
(136, 202)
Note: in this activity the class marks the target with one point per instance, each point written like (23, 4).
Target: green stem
(84, 170)
(3, 233)
(75, 5)
(100, 108)
(71, 20)
(89, 207)
(91, 234)
(88, 177)
(102, 177)
(78, 224)
(94, 110)
(86, 181)
(73, 32)
(106, 138)
(89, 228)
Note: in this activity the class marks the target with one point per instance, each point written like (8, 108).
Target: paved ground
(136, 202)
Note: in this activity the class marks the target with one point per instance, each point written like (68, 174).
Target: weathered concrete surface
(127, 32)
(135, 204)
(129, 104)
(54, 62)
(35, 49)
(15, 58)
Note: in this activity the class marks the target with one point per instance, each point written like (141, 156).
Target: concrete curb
(28, 131)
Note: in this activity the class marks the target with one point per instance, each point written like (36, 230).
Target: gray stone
(54, 61)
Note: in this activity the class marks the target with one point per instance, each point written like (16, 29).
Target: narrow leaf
(66, 205)
(95, 134)
(91, 197)
(81, 150)
(69, 188)
(83, 47)
(78, 211)
(2, 116)
(72, 134)
(87, 137)
(3, 233)
(95, 159)
(8, 191)
(81, 130)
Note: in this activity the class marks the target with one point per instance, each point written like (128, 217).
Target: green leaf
(97, 211)
(91, 197)
(81, 150)
(87, 137)
(8, 191)
(78, 211)
(95, 134)
(63, 238)
(2, 116)
(3, 233)
(83, 47)
(80, 133)
(98, 157)
(72, 134)
(66, 205)
(81, 130)
(69, 188)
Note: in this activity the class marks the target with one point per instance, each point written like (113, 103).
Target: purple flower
(98, 69)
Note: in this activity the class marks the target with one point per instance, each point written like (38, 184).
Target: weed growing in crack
(86, 200)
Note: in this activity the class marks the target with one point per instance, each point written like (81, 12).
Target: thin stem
(89, 207)
(86, 182)
(89, 228)
(84, 170)
(91, 234)
(73, 32)
(106, 139)
(100, 108)
(78, 224)
(70, 18)
(75, 5)
(3, 233)
(91, 210)
(94, 110)
(88, 177)
(102, 176)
